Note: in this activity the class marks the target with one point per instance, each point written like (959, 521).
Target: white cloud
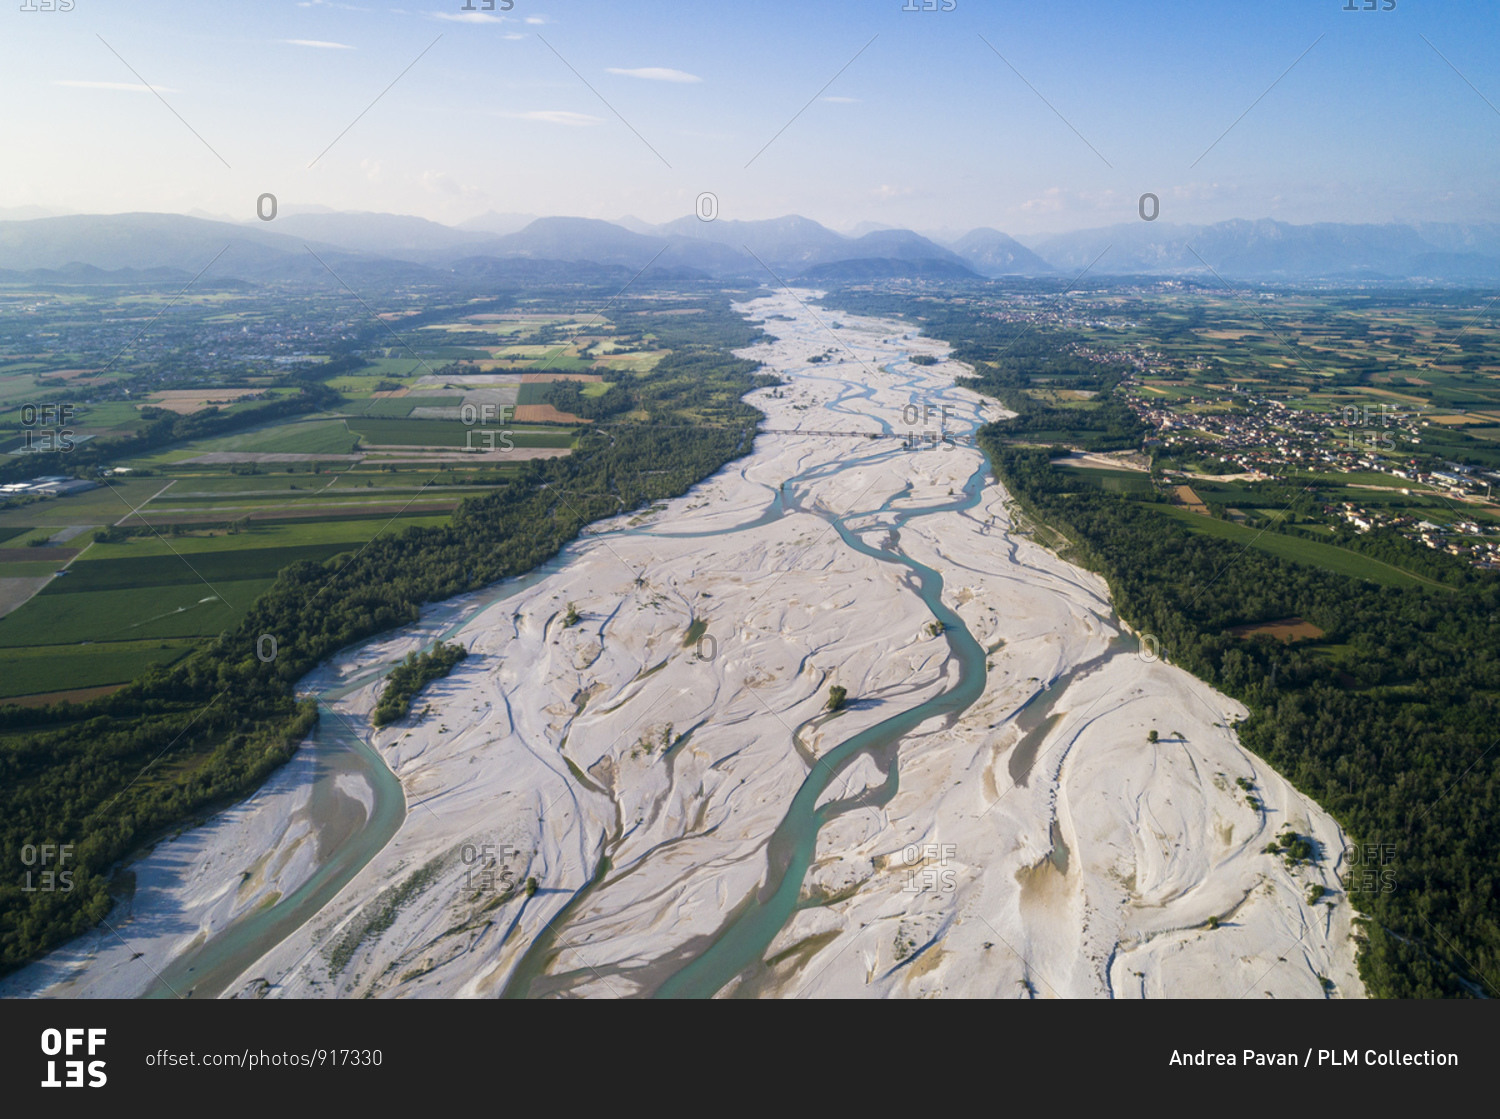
(557, 116)
(656, 74)
(440, 182)
(537, 19)
(129, 87)
(1057, 200)
(843, 100)
(319, 43)
(1052, 201)
(468, 17)
(1200, 192)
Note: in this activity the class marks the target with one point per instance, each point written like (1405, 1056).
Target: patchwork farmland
(175, 544)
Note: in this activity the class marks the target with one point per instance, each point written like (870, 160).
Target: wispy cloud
(319, 43)
(537, 19)
(656, 74)
(128, 87)
(556, 116)
(468, 17)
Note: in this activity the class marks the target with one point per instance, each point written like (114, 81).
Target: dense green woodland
(411, 676)
(1390, 721)
(111, 774)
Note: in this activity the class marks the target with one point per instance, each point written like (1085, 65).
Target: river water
(349, 837)
(742, 943)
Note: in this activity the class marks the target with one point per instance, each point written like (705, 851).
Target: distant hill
(900, 244)
(887, 268)
(590, 239)
(781, 243)
(144, 241)
(395, 235)
(496, 224)
(1274, 250)
(395, 247)
(992, 253)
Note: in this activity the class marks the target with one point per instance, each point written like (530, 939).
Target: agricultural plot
(111, 415)
(188, 401)
(102, 506)
(146, 600)
(17, 386)
(325, 436)
(285, 538)
(46, 669)
(436, 433)
(1131, 482)
(632, 361)
(207, 568)
(202, 527)
(540, 343)
(183, 610)
(399, 407)
(1298, 550)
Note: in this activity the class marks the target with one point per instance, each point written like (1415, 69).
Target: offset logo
(45, 427)
(922, 876)
(46, 868)
(73, 1046)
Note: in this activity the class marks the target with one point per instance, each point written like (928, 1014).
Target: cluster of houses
(1266, 438)
(1460, 538)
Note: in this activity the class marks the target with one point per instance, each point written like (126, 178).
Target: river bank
(643, 765)
(633, 785)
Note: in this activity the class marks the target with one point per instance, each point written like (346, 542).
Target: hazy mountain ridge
(992, 253)
(785, 248)
(1269, 249)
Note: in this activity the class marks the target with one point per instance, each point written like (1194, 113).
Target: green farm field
(1298, 550)
(399, 407)
(50, 668)
(259, 537)
(299, 500)
(90, 574)
(184, 610)
(443, 433)
(102, 506)
(309, 437)
(26, 569)
(1131, 482)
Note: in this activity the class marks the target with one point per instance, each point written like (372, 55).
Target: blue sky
(1027, 116)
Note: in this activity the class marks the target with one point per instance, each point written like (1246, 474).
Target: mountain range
(308, 246)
